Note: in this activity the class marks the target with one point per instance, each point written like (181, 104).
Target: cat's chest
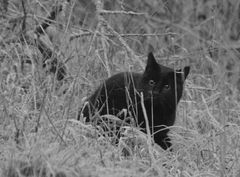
(159, 114)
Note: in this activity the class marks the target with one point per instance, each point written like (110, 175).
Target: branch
(122, 35)
(121, 12)
(50, 19)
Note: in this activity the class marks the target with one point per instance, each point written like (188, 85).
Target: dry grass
(39, 133)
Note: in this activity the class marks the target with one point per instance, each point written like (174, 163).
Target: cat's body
(122, 91)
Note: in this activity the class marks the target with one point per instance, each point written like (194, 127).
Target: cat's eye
(166, 86)
(151, 82)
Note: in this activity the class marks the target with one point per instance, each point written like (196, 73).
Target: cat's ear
(185, 72)
(151, 63)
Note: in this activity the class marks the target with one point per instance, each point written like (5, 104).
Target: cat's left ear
(152, 64)
(185, 72)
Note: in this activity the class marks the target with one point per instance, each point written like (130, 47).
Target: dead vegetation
(55, 53)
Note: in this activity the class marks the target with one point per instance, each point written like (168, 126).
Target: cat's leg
(163, 140)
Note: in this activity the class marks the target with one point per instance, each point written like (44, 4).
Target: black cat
(122, 91)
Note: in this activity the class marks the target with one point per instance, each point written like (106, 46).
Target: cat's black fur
(157, 83)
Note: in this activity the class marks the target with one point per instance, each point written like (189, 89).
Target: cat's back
(113, 89)
(122, 80)
(116, 85)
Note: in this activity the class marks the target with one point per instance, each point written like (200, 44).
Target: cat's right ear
(186, 71)
(151, 62)
(183, 72)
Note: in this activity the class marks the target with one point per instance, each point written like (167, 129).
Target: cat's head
(162, 83)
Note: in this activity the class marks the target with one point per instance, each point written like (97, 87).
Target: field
(93, 39)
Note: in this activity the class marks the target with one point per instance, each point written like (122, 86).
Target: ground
(39, 133)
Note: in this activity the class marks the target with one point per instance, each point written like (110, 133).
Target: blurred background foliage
(92, 40)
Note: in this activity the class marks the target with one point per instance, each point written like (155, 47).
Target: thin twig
(101, 26)
(121, 35)
(147, 128)
(50, 19)
(55, 129)
(121, 12)
(40, 112)
(24, 18)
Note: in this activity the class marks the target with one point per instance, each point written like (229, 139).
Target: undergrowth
(39, 133)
